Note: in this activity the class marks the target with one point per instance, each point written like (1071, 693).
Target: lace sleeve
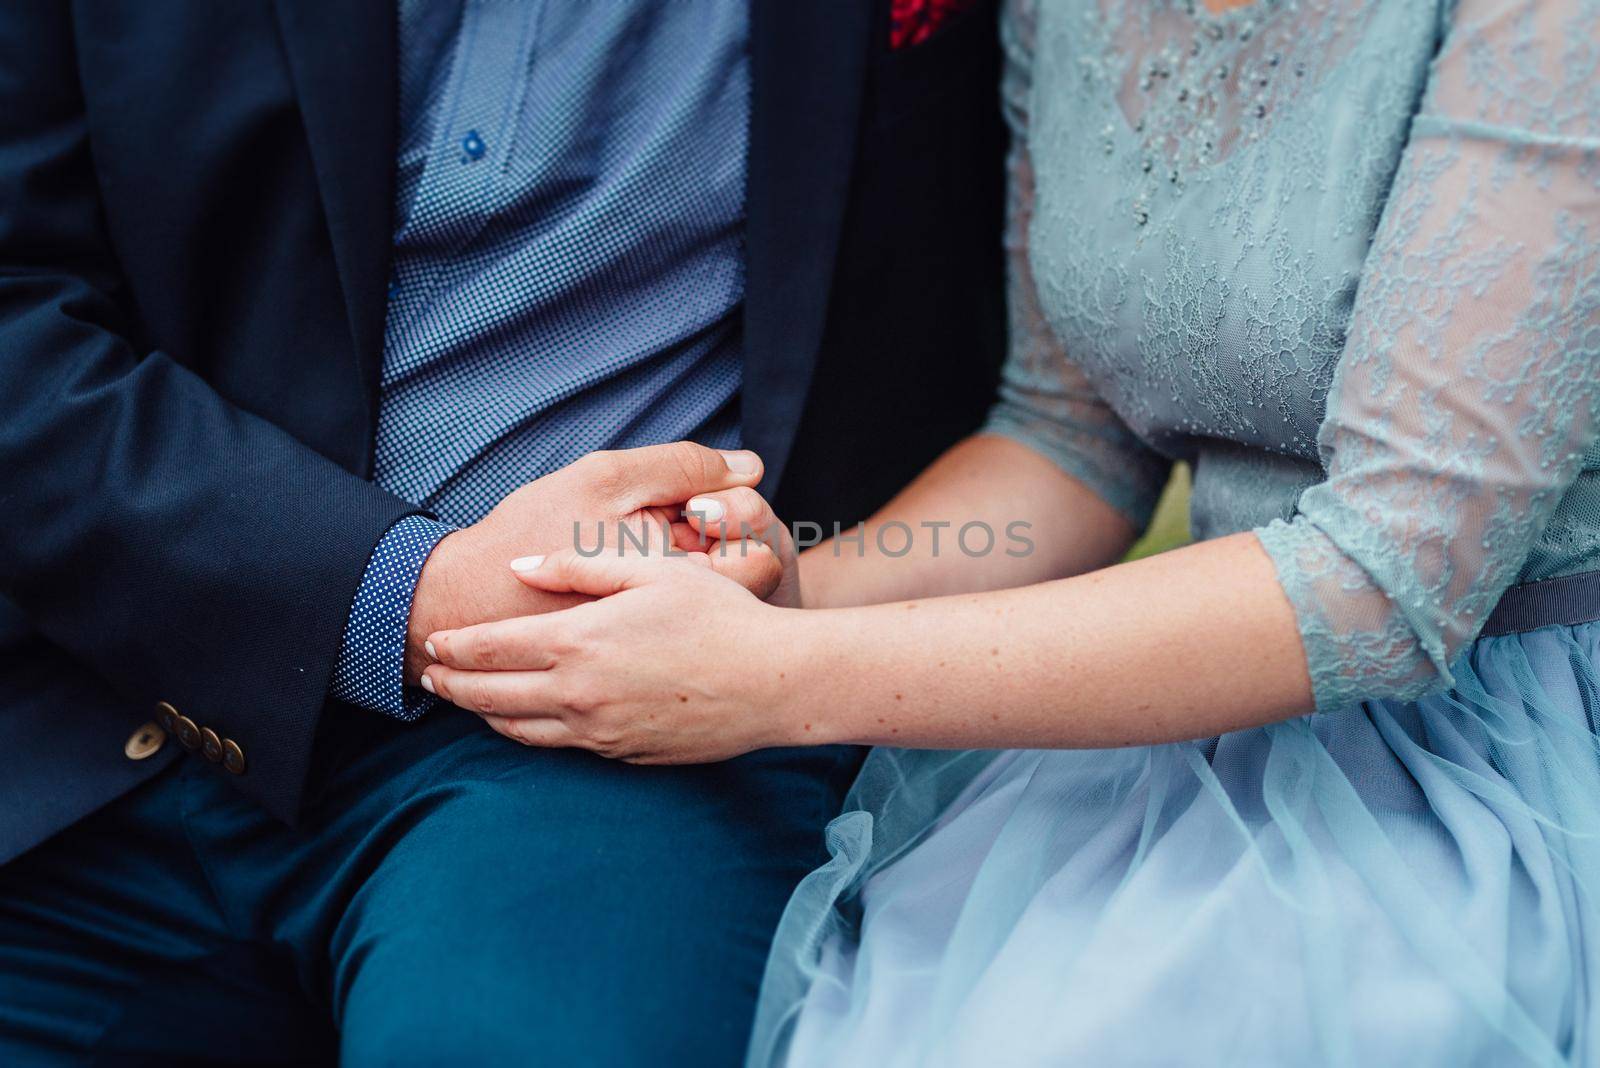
(1466, 394)
(1046, 402)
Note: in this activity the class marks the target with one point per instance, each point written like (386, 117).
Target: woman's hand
(465, 579)
(732, 522)
(674, 664)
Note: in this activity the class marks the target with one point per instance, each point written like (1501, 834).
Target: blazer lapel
(342, 59)
(807, 70)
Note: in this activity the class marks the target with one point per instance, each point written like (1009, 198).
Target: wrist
(431, 601)
(813, 569)
(801, 704)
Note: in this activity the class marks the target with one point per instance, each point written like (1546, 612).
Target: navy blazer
(194, 237)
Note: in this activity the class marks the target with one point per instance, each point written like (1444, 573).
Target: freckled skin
(1077, 628)
(1122, 665)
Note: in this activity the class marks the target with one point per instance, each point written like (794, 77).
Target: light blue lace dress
(1344, 258)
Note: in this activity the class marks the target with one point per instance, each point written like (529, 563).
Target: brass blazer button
(167, 716)
(146, 741)
(188, 733)
(232, 756)
(210, 745)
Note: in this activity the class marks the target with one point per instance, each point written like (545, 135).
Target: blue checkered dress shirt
(567, 260)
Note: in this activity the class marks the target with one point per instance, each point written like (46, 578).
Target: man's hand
(468, 579)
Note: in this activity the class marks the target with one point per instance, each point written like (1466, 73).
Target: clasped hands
(649, 650)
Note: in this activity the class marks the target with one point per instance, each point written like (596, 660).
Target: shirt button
(145, 742)
(472, 147)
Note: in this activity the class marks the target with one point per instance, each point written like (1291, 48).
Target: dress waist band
(1564, 601)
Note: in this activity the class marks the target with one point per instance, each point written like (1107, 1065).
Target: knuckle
(558, 564)
(747, 504)
(585, 701)
(480, 697)
(604, 472)
(483, 650)
(608, 741)
(557, 646)
(690, 462)
(576, 636)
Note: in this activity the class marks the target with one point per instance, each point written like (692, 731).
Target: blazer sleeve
(181, 548)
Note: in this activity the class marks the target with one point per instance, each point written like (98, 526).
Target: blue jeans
(448, 897)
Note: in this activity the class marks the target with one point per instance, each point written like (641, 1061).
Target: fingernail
(432, 652)
(740, 463)
(709, 509)
(527, 563)
(427, 684)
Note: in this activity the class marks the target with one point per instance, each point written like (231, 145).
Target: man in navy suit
(315, 314)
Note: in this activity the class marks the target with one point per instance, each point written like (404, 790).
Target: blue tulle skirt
(1393, 883)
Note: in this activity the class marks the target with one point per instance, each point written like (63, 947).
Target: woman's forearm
(1187, 644)
(988, 480)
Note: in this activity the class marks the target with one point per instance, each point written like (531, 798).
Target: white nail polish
(527, 563)
(709, 509)
(431, 651)
(427, 684)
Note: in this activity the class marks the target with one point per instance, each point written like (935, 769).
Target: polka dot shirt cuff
(371, 667)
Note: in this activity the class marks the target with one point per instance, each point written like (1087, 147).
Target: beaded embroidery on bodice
(1193, 85)
(1344, 257)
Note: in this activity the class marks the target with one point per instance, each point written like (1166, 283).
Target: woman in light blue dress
(1323, 787)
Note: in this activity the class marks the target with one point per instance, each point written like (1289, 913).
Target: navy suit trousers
(447, 897)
